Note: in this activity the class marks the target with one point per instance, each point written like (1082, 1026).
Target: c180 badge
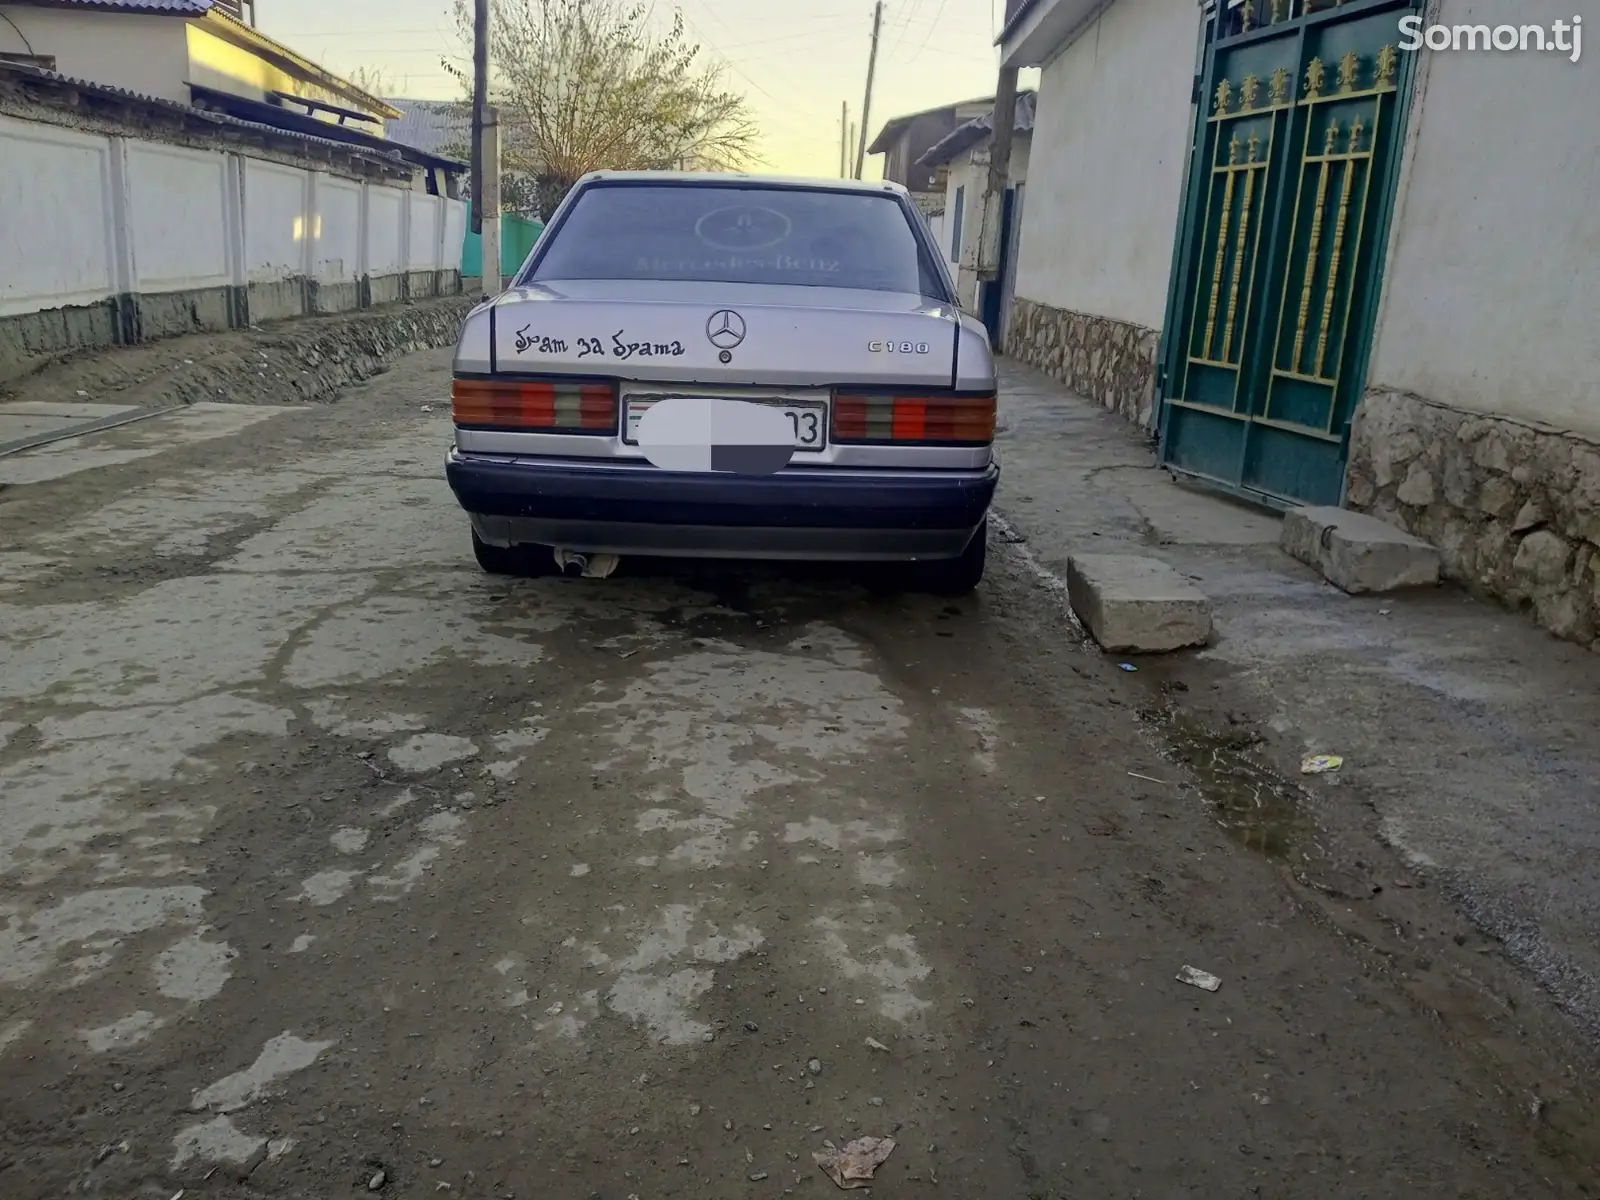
(881, 347)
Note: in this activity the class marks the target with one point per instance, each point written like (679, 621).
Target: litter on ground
(1203, 980)
(853, 1166)
(1320, 764)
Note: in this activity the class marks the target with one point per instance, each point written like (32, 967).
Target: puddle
(1259, 808)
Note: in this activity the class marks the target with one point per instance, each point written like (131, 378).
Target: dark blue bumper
(552, 491)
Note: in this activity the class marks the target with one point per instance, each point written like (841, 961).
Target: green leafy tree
(589, 85)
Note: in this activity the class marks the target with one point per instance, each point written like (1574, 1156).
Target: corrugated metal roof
(893, 126)
(429, 125)
(243, 108)
(28, 73)
(980, 129)
(189, 8)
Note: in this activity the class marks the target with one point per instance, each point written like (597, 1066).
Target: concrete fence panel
(422, 250)
(276, 254)
(386, 244)
(455, 233)
(336, 267)
(108, 240)
(179, 232)
(58, 272)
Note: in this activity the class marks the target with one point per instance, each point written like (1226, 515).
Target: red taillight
(548, 405)
(871, 418)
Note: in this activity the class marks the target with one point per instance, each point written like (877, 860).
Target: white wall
(970, 170)
(1493, 282)
(423, 228)
(144, 54)
(386, 244)
(1109, 145)
(85, 217)
(274, 221)
(178, 217)
(957, 179)
(455, 228)
(336, 256)
(56, 240)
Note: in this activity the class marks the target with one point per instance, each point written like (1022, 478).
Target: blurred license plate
(808, 420)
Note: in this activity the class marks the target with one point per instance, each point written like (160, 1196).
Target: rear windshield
(752, 234)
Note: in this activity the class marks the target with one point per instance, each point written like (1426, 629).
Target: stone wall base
(1513, 509)
(32, 341)
(1111, 362)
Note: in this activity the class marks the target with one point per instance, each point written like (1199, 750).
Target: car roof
(725, 178)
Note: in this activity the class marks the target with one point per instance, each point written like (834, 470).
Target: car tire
(522, 561)
(958, 576)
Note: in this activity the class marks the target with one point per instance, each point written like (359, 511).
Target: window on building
(955, 224)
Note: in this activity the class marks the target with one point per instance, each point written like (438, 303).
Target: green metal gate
(1280, 249)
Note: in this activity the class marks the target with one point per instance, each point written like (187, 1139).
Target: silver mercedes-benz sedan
(825, 303)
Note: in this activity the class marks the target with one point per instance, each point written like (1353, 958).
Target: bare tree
(587, 85)
(375, 81)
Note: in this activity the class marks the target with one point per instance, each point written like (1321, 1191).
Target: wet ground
(331, 866)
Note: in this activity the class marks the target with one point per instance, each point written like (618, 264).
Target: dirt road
(330, 866)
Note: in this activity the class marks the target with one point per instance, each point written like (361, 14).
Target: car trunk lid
(725, 334)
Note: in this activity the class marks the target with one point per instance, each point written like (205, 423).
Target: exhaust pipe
(575, 565)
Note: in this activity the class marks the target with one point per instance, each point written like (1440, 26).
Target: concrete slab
(1358, 553)
(1132, 603)
(66, 409)
(25, 418)
(1188, 515)
(128, 443)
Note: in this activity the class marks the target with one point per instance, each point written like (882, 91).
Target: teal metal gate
(1280, 250)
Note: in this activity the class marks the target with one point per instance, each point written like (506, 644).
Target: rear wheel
(524, 561)
(958, 576)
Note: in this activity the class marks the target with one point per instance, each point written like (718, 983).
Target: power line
(934, 24)
(905, 25)
(803, 132)
(725, 60)
(367, 34)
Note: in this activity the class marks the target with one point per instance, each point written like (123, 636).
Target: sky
(796, 61)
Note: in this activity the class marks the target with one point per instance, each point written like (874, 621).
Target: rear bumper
(797, 513)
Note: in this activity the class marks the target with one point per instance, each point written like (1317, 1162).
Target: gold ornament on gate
(1349, 69)
(1316, 78)
(1224, 96)
(1280, 85)
(1388, 61)
(1248, 91)
(1356, 130)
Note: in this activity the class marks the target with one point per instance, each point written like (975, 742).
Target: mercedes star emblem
(725, 329)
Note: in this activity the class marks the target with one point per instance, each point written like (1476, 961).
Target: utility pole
(491, 201)
(485, 154)
(866, 104)
(844, 133)
(994, 196)
(480, 100)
